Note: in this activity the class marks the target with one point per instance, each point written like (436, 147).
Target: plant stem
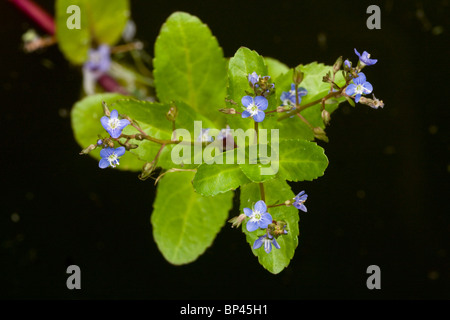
(37, 14)
(261, 191)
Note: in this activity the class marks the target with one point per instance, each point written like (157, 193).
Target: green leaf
(85, 118)
(293, 160)
(101, 22)
(185, 223)
(219, 177)
(244, 62)
(259, 162)
(276, 191)
(312, 81)
(275, 67)
(301, 160)
(190, 66)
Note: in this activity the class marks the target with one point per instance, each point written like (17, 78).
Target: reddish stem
(37, 14)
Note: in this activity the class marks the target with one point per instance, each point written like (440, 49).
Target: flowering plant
(203, 126)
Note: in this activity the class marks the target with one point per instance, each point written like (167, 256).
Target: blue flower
(267, 240)
(114, 125)
(364, 59)
(255, 107)
(299, 200)
(359, 87)
(110, 157)
(288, 97)
(205, 136)
(99, 60)
(348, 64)
(259, 217)
(253, 78)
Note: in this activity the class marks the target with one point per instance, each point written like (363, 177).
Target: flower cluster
(288, 97)
(254, 107)
(360, 85)
(259, 218)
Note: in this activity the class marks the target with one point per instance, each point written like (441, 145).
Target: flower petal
(259, 116)
(248, 212)
(261, 102)
(267, 245)
(367, 88)
(302, 92)
(351, 89)
(252, 226)
(114, 114)
(245, 114)
(266, 219)
(285, 96)
(357, 97)
(275, 243)
(106, 152)
(247, 100)
(261, 206)
(361, 78)
(120, 151)
(123, 123)
(258, 242)
(105, 122)
(103, 163)
(115, 133)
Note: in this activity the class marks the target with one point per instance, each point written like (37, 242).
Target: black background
(383, 200)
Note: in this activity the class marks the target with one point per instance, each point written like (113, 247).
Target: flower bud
(337, 65)
(236, 221)
(298, 76)
(88, 149)
(147, 170)
(171, 115)
(320, 134)
(326, 116)
(105, 109)
(228, 110)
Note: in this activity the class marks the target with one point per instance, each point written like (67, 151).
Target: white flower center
(359, 89)
(252, 108)
(112, 158)
(113, 123)
(256, 216)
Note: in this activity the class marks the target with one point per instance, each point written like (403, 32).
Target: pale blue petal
(258, 242)
(361, 78)
(104, 121)
(106, 152)
(367, 88)
(261, 206)
(267, 246)
(252, 226)
(351, 89)
(248, 212)
(261, 102)
(302, 92)
(266, 219)
(245, 114)
(275, 243)
(259, 116)
(114, 114)
(120, 151)
(357, 97)
(103, 163)
(247, 100)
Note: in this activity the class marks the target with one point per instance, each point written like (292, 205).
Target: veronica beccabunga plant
(202, 126)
